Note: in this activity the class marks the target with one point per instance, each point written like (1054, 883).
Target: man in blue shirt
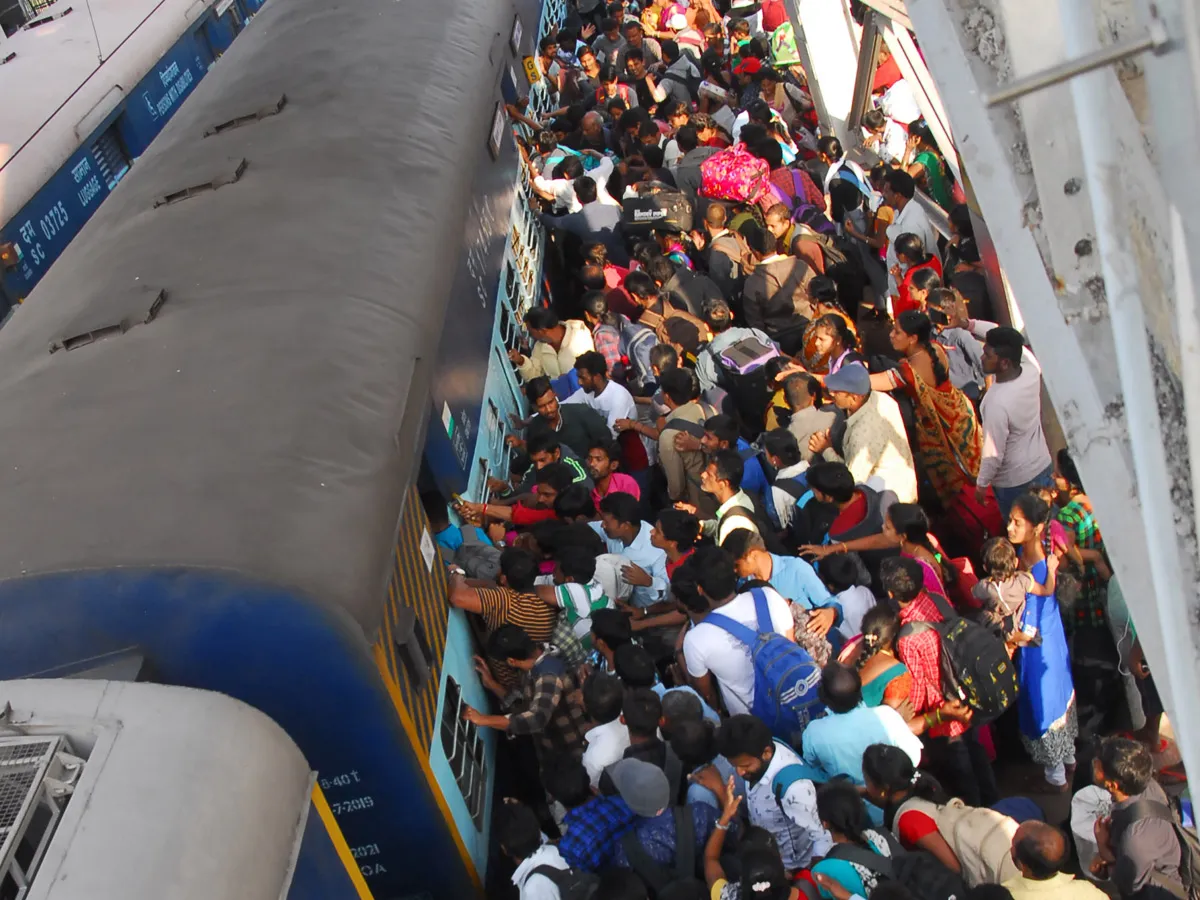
(791, 576)
(625, 533)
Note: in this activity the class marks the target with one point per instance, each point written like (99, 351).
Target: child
(849, 582)
(1002, 592)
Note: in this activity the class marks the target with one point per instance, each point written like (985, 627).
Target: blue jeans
(1006, 495)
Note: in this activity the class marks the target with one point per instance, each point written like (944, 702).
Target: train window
(110, 156)
(271, 109)
(463, 746)
(230, 175)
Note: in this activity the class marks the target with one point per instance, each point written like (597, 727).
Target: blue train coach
(219, 401)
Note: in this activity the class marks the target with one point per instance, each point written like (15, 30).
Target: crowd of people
(765, 607)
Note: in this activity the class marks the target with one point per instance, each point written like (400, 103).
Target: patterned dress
(1090, 609)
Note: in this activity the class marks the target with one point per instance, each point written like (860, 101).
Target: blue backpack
(785, 676)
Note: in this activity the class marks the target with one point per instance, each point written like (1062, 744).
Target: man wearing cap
(646, 791)
(875, 444)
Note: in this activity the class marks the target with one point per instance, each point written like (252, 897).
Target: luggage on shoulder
(742, 374)
(981, 838)
(734, 174)
(1188, 887)
(659, 207)
(572, 884)
(659, 878)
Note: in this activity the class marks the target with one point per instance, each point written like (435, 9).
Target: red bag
(967, 524)
(734, 174)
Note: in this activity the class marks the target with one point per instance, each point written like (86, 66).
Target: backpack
(734, 174)
(808, 214)
(981, 838)
(785, 677)
(655, 208)
(657, 877)
(919, 872)
(635, 342)
(691, 82)
(477, 559)
(742, 374)
(810, 520)
(975, 665)
(1189, 846)
(571, 884)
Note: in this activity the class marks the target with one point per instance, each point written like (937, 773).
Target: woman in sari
(925, 164)
(1084, 544)
(948, 437)
(823, 295)
(885, 680)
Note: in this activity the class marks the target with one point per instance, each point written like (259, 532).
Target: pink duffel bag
(734, 174)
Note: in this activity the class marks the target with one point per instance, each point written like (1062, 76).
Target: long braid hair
(890, 769)
(879, 629)
(917, 324)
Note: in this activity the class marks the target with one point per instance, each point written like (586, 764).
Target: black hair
(648, 130)
(580, 534)
(608, 23)
(1036, 851)
(761, 867)
(519, 569)
(635, 53)
(585, 190)
(759, 111)
(519, 463)
(840, 572)
(782, 443)
(890, 769)
(1126, 763)
(831, 147)
(823, 289)
(621, 884)
(741, 541)
(518, 830)
(979, 892)
(841, 688)
(1067, 468)
(729, 466)
(880, 626)
(671, 108)
(635, 666)
(833, 480)
(679, 707)
(622, 507)
(841, 809)
(685, 587)
(844, 197)
(687, 138)
(1035, 510)
(510, 642)
(874, 119)
(542, 318)
(799, 382)
(912, 524)
(960, 218)
(769, 152)
(901, 182)
(542, 442)
(761, 241)
(680, 385)
(679, 527)
(717, 315)
(911, 247)
(1007, 343)
(566, 780)
(592, 362)
(576, 564)
(919, 128)
(536, 388)
(612, 627)
(724, 428)
(660, 268)
(926, 279)
(550, 40)
(595, 303)
(754, 133)
(638, 282)
(558, 475)
(715, 574)
(603, 696)
(641, 711)
(902, 578)
(611, 449)
(695, 743)
(569, 168)
(547, 534)
(643, 252)
(835, 323)
(609, 74)
(744, 735)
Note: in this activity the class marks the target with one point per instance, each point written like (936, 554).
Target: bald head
(592, 124)
(1039, 850)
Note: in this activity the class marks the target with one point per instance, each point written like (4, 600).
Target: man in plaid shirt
(945, 720)
(593, 824)
(546, 703)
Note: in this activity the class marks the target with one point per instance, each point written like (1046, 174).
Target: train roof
(181, 793)
(266, 419)
(57, 89)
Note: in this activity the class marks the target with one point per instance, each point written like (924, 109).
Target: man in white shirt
(780, 794)
(558, 184)
(899, 188)
(609, 739)
(521, 839)
(1015, 456)
(608, 398)
(557, 344)
(626, 534)
(713, 658)
(887, 139)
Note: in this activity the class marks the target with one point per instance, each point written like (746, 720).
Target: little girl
(1002, 592)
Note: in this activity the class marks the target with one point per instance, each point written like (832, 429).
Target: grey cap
(852, 378)
(644, 787)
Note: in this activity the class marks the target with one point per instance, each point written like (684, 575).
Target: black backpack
(657, 877)
(918, 871)
(572, 884)
(742, 374)
(975, 665)
(692, 83)
(1188, 888)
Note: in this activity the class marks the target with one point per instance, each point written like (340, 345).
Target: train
(121, 791)
(87, 88)
(223, 401)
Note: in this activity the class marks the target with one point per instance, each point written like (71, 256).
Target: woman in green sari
(924, 162)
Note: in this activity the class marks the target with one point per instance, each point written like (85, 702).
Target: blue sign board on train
(48, 222)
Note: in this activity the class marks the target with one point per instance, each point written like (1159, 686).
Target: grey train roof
(184, 794)
(262, 421)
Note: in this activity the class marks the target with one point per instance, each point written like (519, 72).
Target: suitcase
(666, 208)
(734, 174)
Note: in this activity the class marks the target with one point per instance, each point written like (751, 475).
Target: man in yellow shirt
(1041, 853)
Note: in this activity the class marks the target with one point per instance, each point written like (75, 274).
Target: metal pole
(1103, 169)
